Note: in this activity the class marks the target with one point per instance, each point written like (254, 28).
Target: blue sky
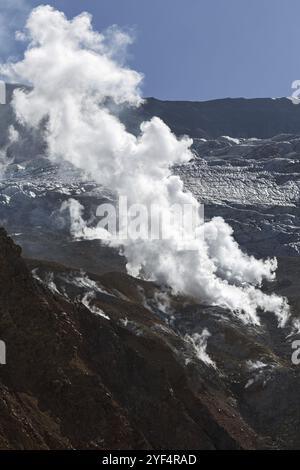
(204, 49)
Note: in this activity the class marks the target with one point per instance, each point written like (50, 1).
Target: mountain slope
(76, 379)
(236, 117)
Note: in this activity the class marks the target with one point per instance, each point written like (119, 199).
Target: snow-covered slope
(255, 185)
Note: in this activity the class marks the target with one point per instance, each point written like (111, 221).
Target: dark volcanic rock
(75, 378)
(253, 374)
(236, 117)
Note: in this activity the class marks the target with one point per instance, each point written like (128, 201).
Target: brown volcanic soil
(74, 379)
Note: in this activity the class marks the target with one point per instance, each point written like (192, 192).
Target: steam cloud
(75, 74)
(199, 343)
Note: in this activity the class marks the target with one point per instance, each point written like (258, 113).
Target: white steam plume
(78, 228)
(75, 75)
(199, 343)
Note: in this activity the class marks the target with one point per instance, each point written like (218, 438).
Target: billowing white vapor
(76, 77)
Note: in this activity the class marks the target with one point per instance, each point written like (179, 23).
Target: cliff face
(235, 117)
(77, 377)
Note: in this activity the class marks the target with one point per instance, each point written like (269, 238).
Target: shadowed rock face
(99, 362)
(76, 379)
(237, 117)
